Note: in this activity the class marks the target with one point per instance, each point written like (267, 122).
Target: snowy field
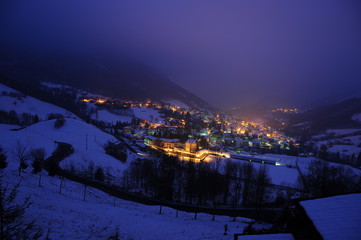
(177, 103)
(148, 114)
(279, 175)
(303, 164)
(67, 216)
(106, 116)
(29, 105)
(345, 150)
(338, 132)
(357, 117)
(55, 85)
(345, 146)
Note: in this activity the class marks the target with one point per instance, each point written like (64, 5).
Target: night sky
(229, 53)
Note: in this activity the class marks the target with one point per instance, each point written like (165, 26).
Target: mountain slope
(119, 78)
(13, 100)
(335, 116)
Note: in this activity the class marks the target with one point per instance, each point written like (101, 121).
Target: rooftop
(337, 217)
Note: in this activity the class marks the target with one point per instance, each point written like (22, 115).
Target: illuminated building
(161, 142)
(191, 145)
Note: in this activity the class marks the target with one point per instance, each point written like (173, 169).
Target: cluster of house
(218, 131)
(190, 145)
(234, 137)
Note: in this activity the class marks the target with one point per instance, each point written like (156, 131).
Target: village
(188, 133)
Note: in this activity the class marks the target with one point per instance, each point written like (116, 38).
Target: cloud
(228, 52)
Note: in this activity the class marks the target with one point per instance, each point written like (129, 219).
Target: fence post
(234, 216)
(196, 212)
(40, 178)
(61, 184)
(85, 186)
(213, 215)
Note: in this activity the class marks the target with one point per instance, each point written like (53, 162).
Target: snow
(148, 114)
(279, 175)
(4, 88)
(345, 149)
(54, 85)
(7, 127)
(283, 175)
(338, 132)
(303, 164)
(355, 140)
(177, 103)
(280, 236)
(336, 217)
(29, 105)
(67, 216)
(106, 116)
(75, 132)
(341, 142)
(301, 124)
(357, 117)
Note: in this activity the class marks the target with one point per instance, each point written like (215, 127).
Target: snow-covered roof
(336, 217)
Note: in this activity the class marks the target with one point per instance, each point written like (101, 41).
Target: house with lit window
(191, 145)
(161, 142)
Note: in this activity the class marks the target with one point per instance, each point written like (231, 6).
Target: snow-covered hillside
(106, 116)
(177, 103)
(10, 99)
(148, 114)
(87, 140)
(142, 113)
(357, 117)
(279, 175)
(338, 132)
(67, 216)
(344, 142)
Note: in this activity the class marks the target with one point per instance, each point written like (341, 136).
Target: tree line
(209, 183)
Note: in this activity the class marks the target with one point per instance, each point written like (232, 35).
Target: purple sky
(228, 52)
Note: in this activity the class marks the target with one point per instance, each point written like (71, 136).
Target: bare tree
(324, 179)
(38, 156)
(3, 157)
(12, 225)
(261, 184)
(21, 152)
(249, 173)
